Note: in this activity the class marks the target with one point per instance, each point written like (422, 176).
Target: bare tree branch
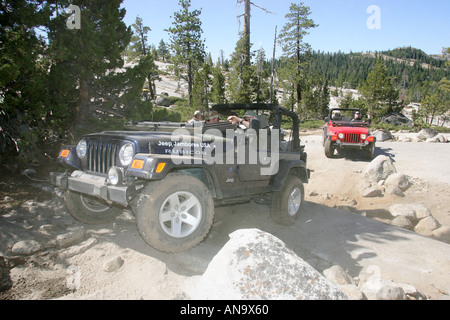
(267, 11)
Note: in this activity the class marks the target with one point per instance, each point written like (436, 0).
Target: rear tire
(88, 209)
(175, 214)
(287, 203)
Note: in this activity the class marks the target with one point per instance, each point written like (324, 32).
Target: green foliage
(446, 56)
(288, 81)
(295, 29)
(24, 113)
(72, 80)
(163, 114)
(416, 55)
(186, 44)
(138, 45)
(379, 92)
(201, 94)
(218, 85)
(75, 79)
(241, 74)
(185, 111)
(163, 51)
(350, 70)
(261, 85)
(316, 97)
(435, 101)
(139, 48)
(92, 57)
(311, 124)
(291, 39)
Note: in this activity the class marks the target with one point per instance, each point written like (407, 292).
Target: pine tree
(92, 56)
(138, 45)
(186, 44)
(436, 100)
(138, 48)
(239, 84)
(201, 94)
(316, 97)
(261, 85)
(25, 115)
(446, 54)
(163, 51)
(131, 83)
(291, 39)
(288, 82)
(379, 92)
(218, 85)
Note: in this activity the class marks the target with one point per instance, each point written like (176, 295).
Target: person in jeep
(245, 121)
(213, 117)
(197, 119)
(357, 116)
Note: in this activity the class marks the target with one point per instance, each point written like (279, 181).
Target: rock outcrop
(379, 169)
(256, 265)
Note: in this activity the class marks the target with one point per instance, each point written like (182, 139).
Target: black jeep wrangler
(172, 175)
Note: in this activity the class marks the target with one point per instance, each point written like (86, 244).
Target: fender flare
(286, 166)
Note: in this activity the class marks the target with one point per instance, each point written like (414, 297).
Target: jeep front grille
(352, 138)
(101, 156)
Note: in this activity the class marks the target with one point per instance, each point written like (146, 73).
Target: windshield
(348, 117)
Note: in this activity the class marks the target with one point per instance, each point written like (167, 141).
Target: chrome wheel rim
(180, 214)
(294, 201)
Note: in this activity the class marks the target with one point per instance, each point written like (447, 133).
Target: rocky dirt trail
(46, 254)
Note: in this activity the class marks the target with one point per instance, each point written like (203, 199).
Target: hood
(351, 130)
(147, 141)
(129, 135)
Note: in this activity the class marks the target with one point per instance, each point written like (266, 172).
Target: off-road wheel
(174, 214)
(287, 203)
(329, 148)
(88, 209)
(370, 152)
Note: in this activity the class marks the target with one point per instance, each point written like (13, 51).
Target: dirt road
(324, 235)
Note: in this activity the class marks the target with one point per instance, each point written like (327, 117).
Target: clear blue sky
(342, 23)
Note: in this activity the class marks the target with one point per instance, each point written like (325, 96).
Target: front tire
(287, 203)
(175, 214)
(329, 148)
(88, 209)
(370, 153)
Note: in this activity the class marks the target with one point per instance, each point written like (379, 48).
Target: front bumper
(93, 185)
(360, 146)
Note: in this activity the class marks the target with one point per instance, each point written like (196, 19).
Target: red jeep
(345, 129)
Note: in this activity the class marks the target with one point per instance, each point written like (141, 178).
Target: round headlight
(341, 136)
(81, 149)
(126, 154)
(363, 136)
(115, 175)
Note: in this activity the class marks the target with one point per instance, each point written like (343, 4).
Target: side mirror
(326, 119)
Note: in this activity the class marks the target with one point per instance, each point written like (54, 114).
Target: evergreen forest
(409, 67)
(65, 72)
